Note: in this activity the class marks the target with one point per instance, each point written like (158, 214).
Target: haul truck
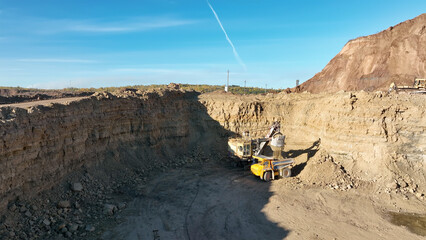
(246, 150)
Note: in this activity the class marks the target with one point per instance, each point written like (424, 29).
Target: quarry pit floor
(215, 202)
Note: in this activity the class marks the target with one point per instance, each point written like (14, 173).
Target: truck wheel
(286, 172)
(267, 176)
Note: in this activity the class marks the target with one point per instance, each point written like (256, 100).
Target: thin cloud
(130, 26)
(55, 60)
(54, 26)
(237, 56)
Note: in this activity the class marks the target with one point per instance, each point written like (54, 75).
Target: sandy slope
(373, 62)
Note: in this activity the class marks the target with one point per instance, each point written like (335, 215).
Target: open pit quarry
(154, 165)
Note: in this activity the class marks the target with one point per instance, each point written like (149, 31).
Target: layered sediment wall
(42, 144)
(376, 137)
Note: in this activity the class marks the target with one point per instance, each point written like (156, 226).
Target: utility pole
(244, 86)
(266, 87)
(227, 83)
(297, 82)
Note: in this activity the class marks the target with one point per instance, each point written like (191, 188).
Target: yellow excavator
(264, 154)
(419, 86)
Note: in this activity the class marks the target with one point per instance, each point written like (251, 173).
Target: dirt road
(227, 203)
(43, 102)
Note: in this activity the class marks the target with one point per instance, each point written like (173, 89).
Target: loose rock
(64, 204)
(109, 209)
(46, 222)
(77, 187)
(90, 228)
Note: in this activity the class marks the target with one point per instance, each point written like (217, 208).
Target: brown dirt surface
(42, 102)
(210, 201)
(397, 54)
(18, 95)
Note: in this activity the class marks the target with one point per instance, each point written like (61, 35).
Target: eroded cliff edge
(378, 138)
(397, 54)
(42, 144)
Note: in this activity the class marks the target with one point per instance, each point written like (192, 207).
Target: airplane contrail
(237, 56)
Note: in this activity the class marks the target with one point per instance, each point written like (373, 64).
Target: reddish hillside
(397, 54)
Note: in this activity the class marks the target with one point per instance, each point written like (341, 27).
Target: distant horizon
(57, 45)
(145, 85)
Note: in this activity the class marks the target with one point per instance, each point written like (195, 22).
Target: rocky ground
(86, 204)
(202, 197)
(216, 200)
(358, 168)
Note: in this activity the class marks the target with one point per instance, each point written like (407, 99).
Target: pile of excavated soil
(397, 54)
(322, 170)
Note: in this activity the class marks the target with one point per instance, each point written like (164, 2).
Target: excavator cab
(240, 148)
(420, 83)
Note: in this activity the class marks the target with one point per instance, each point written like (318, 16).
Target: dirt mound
(323, 170)
(397, 54)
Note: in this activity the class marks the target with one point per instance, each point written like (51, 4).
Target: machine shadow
(240, 197)
(206, 198)
(311, 151)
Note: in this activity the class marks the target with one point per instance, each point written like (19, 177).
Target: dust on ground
(217, 202)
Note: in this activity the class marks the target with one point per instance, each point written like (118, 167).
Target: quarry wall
(42, 144)
(377, 137)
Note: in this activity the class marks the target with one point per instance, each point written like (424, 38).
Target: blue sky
(58, 43)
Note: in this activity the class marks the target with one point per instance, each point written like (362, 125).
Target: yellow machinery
(419, 86)
(241, 148)
(268, 168)
(247, 150)
(420, 83)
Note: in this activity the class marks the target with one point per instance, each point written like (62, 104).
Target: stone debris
(46, 222)
(110, 209)
(77, 187)
(64, 204)
(90, 228)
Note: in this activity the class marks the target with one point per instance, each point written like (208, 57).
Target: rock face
(397, 54)
(376, 138)
(42, 144)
